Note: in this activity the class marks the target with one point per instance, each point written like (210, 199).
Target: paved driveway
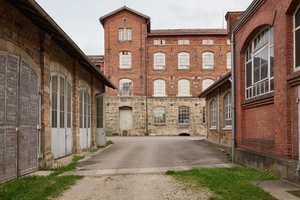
(153, 152)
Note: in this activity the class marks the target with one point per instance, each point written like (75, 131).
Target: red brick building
(267, 85)
(159, 74)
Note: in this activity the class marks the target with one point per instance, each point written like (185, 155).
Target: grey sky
(80, 18)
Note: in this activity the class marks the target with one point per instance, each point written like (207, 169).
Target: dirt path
(132, 187)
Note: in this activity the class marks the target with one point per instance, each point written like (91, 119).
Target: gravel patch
(133, 187)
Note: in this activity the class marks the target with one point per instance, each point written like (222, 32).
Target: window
(213, 114)
(228, 42)
(183, 60)
(84, 109)
(181, 42)
(203, 115)
(207, 41)
(297, 39)
(259, 66)
(125, 87)
(159, 61)
(183, 115)
(183, 87)
(159, 115)
(207, 60)
(125, 34)
(228, 60)
(227, 110)
(159, 42)
(206, 83)
(159, 88)
(125, 60)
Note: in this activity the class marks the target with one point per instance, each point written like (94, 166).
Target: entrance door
(100, 120)
(19, 117)
(125, 119)
(61, 132)
(84, 119)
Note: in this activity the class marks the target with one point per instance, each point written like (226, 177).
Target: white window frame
(208, 42)
(159, 42)
(183, 60)
(259, 80)
(297, 40)
(183, 87)
(160, 87)
(228, 60)
(159, 115)
(125, 34)
(183, 115)
(208, 60)
(227, 111)
(213, 114)
(159, 61)
(183, 42)
(125, 60)
(125, 87)
(206, 83)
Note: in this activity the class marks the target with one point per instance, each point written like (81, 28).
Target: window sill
(227, 128)
(162, 70)
(262, 100)
(184, 69)
(160, 124)
(213, 128)
(124, 69)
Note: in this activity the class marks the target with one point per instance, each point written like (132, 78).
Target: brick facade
(144, 43)
(267, 125)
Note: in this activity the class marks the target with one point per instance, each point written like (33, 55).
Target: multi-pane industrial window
(207, 60)
(227, 109)
(183, 115)
(84, 109)
(125, 60)
(228, 55)
(60, 102)
(207, 41)
(99, 112)
(183, 87)
(159, 60)
(297, 38)
(159, 42)
(125, 34)
(159, 115)
(206, 83)
(183, 60)
(182, 42)
(259, 66)
(213, 113)
(159, 88)
(125, 87)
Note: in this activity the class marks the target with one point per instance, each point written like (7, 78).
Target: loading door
(61, 131)
(19, 117)
(84, 119)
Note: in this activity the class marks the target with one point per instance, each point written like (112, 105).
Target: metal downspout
(298, 102)
(233, 97)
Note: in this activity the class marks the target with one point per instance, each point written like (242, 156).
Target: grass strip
(40, 187)
(227, 183)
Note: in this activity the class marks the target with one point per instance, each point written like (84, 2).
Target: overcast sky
(80, 18)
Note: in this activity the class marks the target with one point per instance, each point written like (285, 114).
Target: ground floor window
(183, 115)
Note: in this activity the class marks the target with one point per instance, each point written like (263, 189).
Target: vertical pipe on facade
(147, 64)
(298, 134)
(233, 96)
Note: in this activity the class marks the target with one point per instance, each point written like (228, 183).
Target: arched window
(183, 87)
(159, 61)
(125, 87)
(259, 65)
(183, 60)
(227, 110)
(213, 114)
(207, 60)
(183, 115)
(159, 115)
(206, 83)
(125, 60)
(159, 87)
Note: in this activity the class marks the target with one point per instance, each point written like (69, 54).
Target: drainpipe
(233, 96)
(298, 102)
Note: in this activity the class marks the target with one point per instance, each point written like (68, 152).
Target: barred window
(207, 60)
(159, 88)
(159, 60)
(183, 87)
(159, 115)
(183, 115)
(125, 87)
(183, 60)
